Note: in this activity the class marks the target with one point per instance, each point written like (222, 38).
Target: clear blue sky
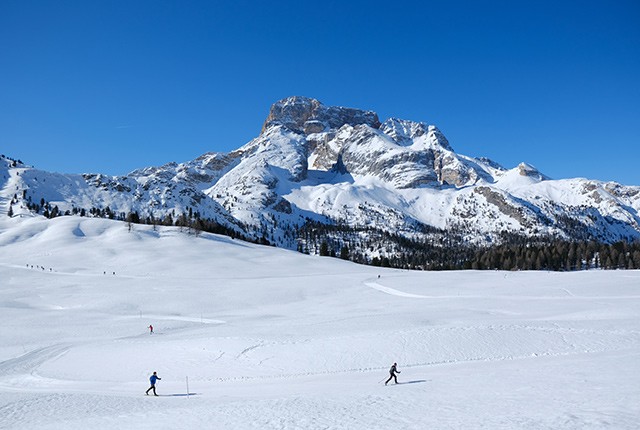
(110, 86)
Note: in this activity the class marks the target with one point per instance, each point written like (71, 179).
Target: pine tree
(324, 249)
(636, 259)
(622, 261)
(344, 252)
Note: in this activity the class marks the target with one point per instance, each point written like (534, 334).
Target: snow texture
(273, 339)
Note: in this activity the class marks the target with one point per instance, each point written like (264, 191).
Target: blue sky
(111, 86)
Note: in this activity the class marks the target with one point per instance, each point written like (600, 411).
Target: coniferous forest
(449, 251)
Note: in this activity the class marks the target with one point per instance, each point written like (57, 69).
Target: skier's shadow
(178, 395)
(417, 381)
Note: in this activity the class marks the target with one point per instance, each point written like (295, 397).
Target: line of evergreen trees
(190, 220)
(558, 255)
(448, 251)
(443, 250)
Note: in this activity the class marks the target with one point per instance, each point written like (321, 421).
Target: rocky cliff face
(404, 153)
(308, 116)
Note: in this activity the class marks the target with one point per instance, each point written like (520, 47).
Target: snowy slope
(273, 339)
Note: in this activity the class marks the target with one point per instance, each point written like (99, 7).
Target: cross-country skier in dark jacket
(153, 380)
(393, 372)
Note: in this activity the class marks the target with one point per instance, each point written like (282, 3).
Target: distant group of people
(38, 267)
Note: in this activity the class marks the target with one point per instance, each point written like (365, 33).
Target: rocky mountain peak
(307, 115)
(525, 169)
(403, 130)
(406, 132)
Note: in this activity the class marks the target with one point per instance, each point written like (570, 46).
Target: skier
(393, 372)
(150, 329)
(153, 380)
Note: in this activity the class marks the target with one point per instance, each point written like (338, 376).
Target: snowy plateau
(249, 336)
(343, 169)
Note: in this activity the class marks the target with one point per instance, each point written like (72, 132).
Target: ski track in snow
(30, 361)
(179, 318)
(569, 295)
(394, 292)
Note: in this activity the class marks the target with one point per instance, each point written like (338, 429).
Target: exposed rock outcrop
(308, 116)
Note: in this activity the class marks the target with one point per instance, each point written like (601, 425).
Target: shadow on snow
(417, 381)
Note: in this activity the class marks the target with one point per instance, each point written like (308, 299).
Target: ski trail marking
(30, 361)
(251, 348)
(393, 291)
(179, 318)
(567, 296)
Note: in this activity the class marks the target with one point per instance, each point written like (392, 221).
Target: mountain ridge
(338, 166)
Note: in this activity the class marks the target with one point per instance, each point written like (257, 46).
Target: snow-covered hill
(266, 338)
(342, 166)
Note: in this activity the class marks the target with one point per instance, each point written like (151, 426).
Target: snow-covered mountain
(344, 168)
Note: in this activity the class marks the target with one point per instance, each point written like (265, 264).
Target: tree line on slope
(445, 250)
(435, 250)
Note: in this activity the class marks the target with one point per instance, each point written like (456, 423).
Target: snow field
(271, 339)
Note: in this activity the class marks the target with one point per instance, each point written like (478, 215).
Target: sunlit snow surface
(273, 339)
